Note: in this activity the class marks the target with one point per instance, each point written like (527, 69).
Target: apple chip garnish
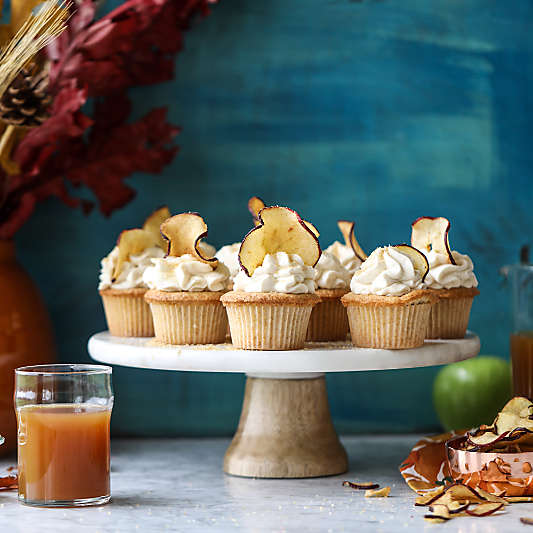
(153, 224)
(418, 259)
(347, 227)
(431, 233)
(280, 229)
(255, 204)
(184, 233)
(131, 242)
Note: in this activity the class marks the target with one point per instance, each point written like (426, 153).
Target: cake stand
(285, 429)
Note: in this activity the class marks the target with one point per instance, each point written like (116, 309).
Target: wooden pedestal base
(285, 431)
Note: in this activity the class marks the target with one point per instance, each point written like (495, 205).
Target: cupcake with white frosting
(388, 306)
(451, 278)
(122, 287)
(186, 286)
(274, 292)
(329, 321)
(456, 287)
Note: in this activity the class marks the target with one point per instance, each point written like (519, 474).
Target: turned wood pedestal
(285, 431)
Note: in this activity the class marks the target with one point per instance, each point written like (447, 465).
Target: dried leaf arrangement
(51, 145)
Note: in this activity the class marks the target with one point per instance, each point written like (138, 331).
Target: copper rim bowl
(503, 474)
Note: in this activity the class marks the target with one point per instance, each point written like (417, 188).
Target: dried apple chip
(131, 242)
(419, 260)
(360, 486)
(431, 233)
(255, 204)
(184, 233)
(439, 511)
(346, 227)
(153, 224)
(280, 230)
(378, 493)
(485, 509)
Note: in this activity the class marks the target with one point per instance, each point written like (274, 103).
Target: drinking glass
(63, 417)
(521, 279)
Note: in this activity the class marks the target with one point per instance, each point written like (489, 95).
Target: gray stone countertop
(178, 485)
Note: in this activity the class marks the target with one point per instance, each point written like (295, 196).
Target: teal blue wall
(381, 111)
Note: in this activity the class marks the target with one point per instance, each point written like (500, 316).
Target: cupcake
(329, 321)
(121, 278)
(350, 255)
(451, 277)
(274, 293)
(388, 306)
(186, 286)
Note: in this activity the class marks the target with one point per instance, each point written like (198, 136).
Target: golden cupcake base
(127, 313)
(188, 317)
(268, 321)
(389, 322)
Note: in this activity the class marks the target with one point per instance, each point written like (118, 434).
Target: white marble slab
(178, 485)
(316, 357)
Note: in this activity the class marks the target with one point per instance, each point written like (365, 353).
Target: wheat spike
(36, 33)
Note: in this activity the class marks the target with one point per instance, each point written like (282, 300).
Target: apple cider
(522, 359)
(63, 452)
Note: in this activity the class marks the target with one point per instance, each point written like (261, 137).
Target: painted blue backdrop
(381, 111)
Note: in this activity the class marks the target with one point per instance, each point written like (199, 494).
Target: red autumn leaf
(132, 45)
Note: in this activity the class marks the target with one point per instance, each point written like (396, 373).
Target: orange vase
(25, 334)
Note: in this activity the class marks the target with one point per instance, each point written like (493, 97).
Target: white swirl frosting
(386, 272)
(280, 272)
(345, 255)
(185, 273)
(330, 274)
(229, 255)
(133, 269)
(443, 275)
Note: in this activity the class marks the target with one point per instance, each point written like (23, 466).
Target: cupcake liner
(329, 320)
(127, 314)
(268, 327)
(449, 317)
(186, 321)
(393, 326)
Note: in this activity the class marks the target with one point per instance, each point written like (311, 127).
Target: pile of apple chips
(512, 433)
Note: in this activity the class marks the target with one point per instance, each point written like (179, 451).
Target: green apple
(472, 392)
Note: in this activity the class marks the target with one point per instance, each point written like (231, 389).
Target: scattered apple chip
(184, 233)
(431, 233)
(280, 230)
(485, 509)
(347, 227)
(131, 242)
(419, 260)
(153, 223)
(457, 507)
(439, 511)
(526, 520)
(518, 499)
(360, 486)
(378, 493)
(429, 496)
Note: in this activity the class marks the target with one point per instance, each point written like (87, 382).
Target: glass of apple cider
(521, 278)
(63, 416)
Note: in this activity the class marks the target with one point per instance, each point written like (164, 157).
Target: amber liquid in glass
(63, 452)
(522, 358)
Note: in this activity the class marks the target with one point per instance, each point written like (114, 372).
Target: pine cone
(26, 100)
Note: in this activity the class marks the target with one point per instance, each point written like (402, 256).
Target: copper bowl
(503, 474)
